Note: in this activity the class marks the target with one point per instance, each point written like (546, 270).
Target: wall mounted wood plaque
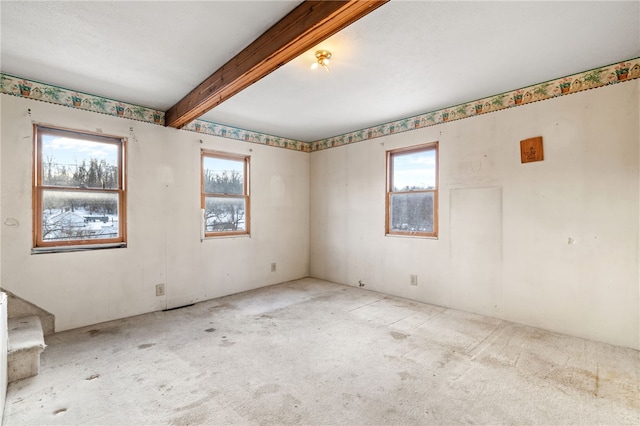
(531, 150)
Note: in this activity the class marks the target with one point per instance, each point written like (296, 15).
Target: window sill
(68, 249)
(221, 237)
(426, 237)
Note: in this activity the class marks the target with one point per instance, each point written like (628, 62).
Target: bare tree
(224, 213)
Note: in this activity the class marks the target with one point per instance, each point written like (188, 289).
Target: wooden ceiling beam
(304, 27)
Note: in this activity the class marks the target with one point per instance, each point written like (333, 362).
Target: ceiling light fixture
(322, 59)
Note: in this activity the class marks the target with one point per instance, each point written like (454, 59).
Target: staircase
(18, 307)
(25, 344)
(21, 340)
(27, 325)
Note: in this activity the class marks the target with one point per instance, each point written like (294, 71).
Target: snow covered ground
(66, 225)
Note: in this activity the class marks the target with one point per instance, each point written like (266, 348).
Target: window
(412, 191)
(78, 189)
(225, 194)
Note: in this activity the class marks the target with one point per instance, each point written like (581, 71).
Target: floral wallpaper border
(599, 77)
(210, 128)
(16, 86)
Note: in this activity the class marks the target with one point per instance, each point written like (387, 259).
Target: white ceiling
(403, 59)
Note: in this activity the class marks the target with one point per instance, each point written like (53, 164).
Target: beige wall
(164, 244)
(4, 344)
(4, 348)
(552, 244)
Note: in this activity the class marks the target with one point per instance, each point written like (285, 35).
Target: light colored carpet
(313, 352)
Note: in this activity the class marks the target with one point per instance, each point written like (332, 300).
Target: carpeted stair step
(26, 342)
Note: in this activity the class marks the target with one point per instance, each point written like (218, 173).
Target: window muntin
(79, 188)
(225, 194)
(412, 191)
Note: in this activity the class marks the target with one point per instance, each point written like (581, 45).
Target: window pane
(73, 215)
(414, 171)
(224, 214)
(79, 163)
(223, 176)
(412, 212)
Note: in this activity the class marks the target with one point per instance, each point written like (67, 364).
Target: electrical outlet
(414, 279)
(273, 267)
(159, 289)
